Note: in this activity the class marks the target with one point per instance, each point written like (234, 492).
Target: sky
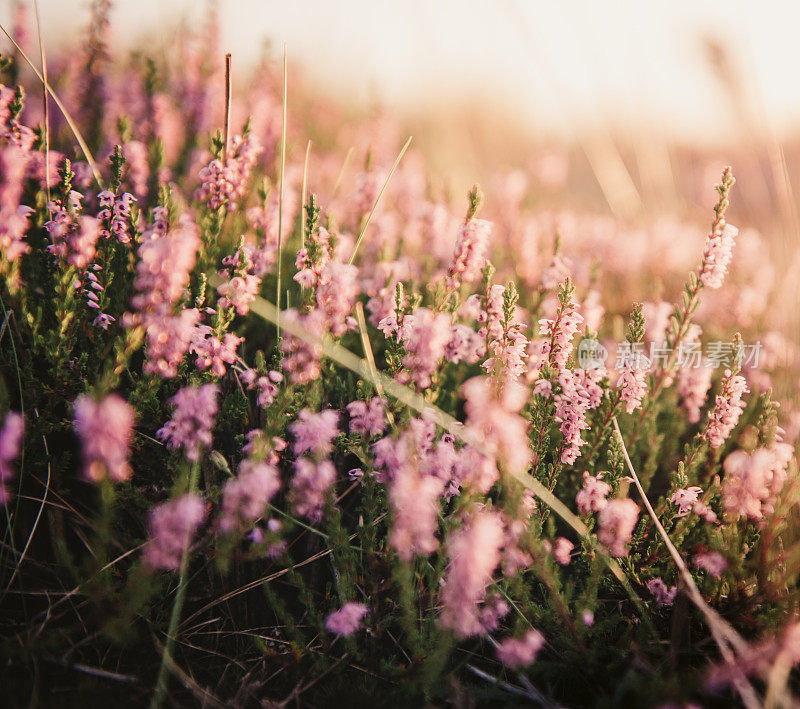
(563, 66)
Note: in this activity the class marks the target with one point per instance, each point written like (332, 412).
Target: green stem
(177, 607)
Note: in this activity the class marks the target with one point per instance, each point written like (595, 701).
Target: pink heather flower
(685, 499)
(10, 446)
(224, 184)
(753, 481)
(728, 406)
(559, 333)
(704, 511)
(664, 596)
(115, 215)
(245, 496)
(474, 553)
(492, 416)
(105, 429)
(470, 253)
(314, 432)
(162, 272)
(465, 345)
(301, 359)
(579, 393)
(520, 652)
(506, 343)
(172, 526)
(238, 292)
(192, 421)
(711, 562)
(587, 617)
(616, 523)
(717, 256)
(414, 502)
(425, 335)
(168, 340)
(633, 385)
(213, 353)
(74, 239)
(367, 418)
(562, 551)
(492, 612)
(336, 295)
(310, 485)
(347, 620)
(693, 386)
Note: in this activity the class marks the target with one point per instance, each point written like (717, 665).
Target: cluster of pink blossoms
(520, 652)
(558, 333)
(592, 496)
(506, 343)
(474, 553)
(470, 253)
(10, 446)
(13, 215)
(616, 523)
(245, 497)
(424, 335)
(105, 430)
(224, 183)
(314, 475)
(632, 383)
(266, 385)
(115, 212)
(172, 526)
(693, 386)
(664, 596)
(211, 352)
(192, 421)
(301, 360)
(73, 235)
(579, 392)
(337, 291)
(753, 481)
(166, 258)
(493, 417)
(368, 417)
(687, 500)
(728, 406)
(347, 620)
(717, 256)
(241, 289)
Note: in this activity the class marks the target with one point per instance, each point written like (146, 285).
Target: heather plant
(268, 441)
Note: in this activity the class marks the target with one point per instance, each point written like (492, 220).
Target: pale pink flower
(172, 526)
(592, 496)
(367, 417)
(105, 429)
(717, 255)
(310, 486)
(425, 335)
(245, 497)
(562, 551)
(474, 553)
(337, 291)
(753, 481)
(728, 406)
(693, 386)
(712, 562)
(347, 620)
(470, 253)
(192, 420)
(520, 652)
(314, 432)
(633, 388)
(663, 596)
(213, 353)
(414, 502)
(616, 523)
(301, 359)
(239, 292)
(465, 345)
(10, 446)
(492, 416)
(685, 499)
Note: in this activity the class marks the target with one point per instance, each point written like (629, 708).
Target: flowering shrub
(409, 485)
